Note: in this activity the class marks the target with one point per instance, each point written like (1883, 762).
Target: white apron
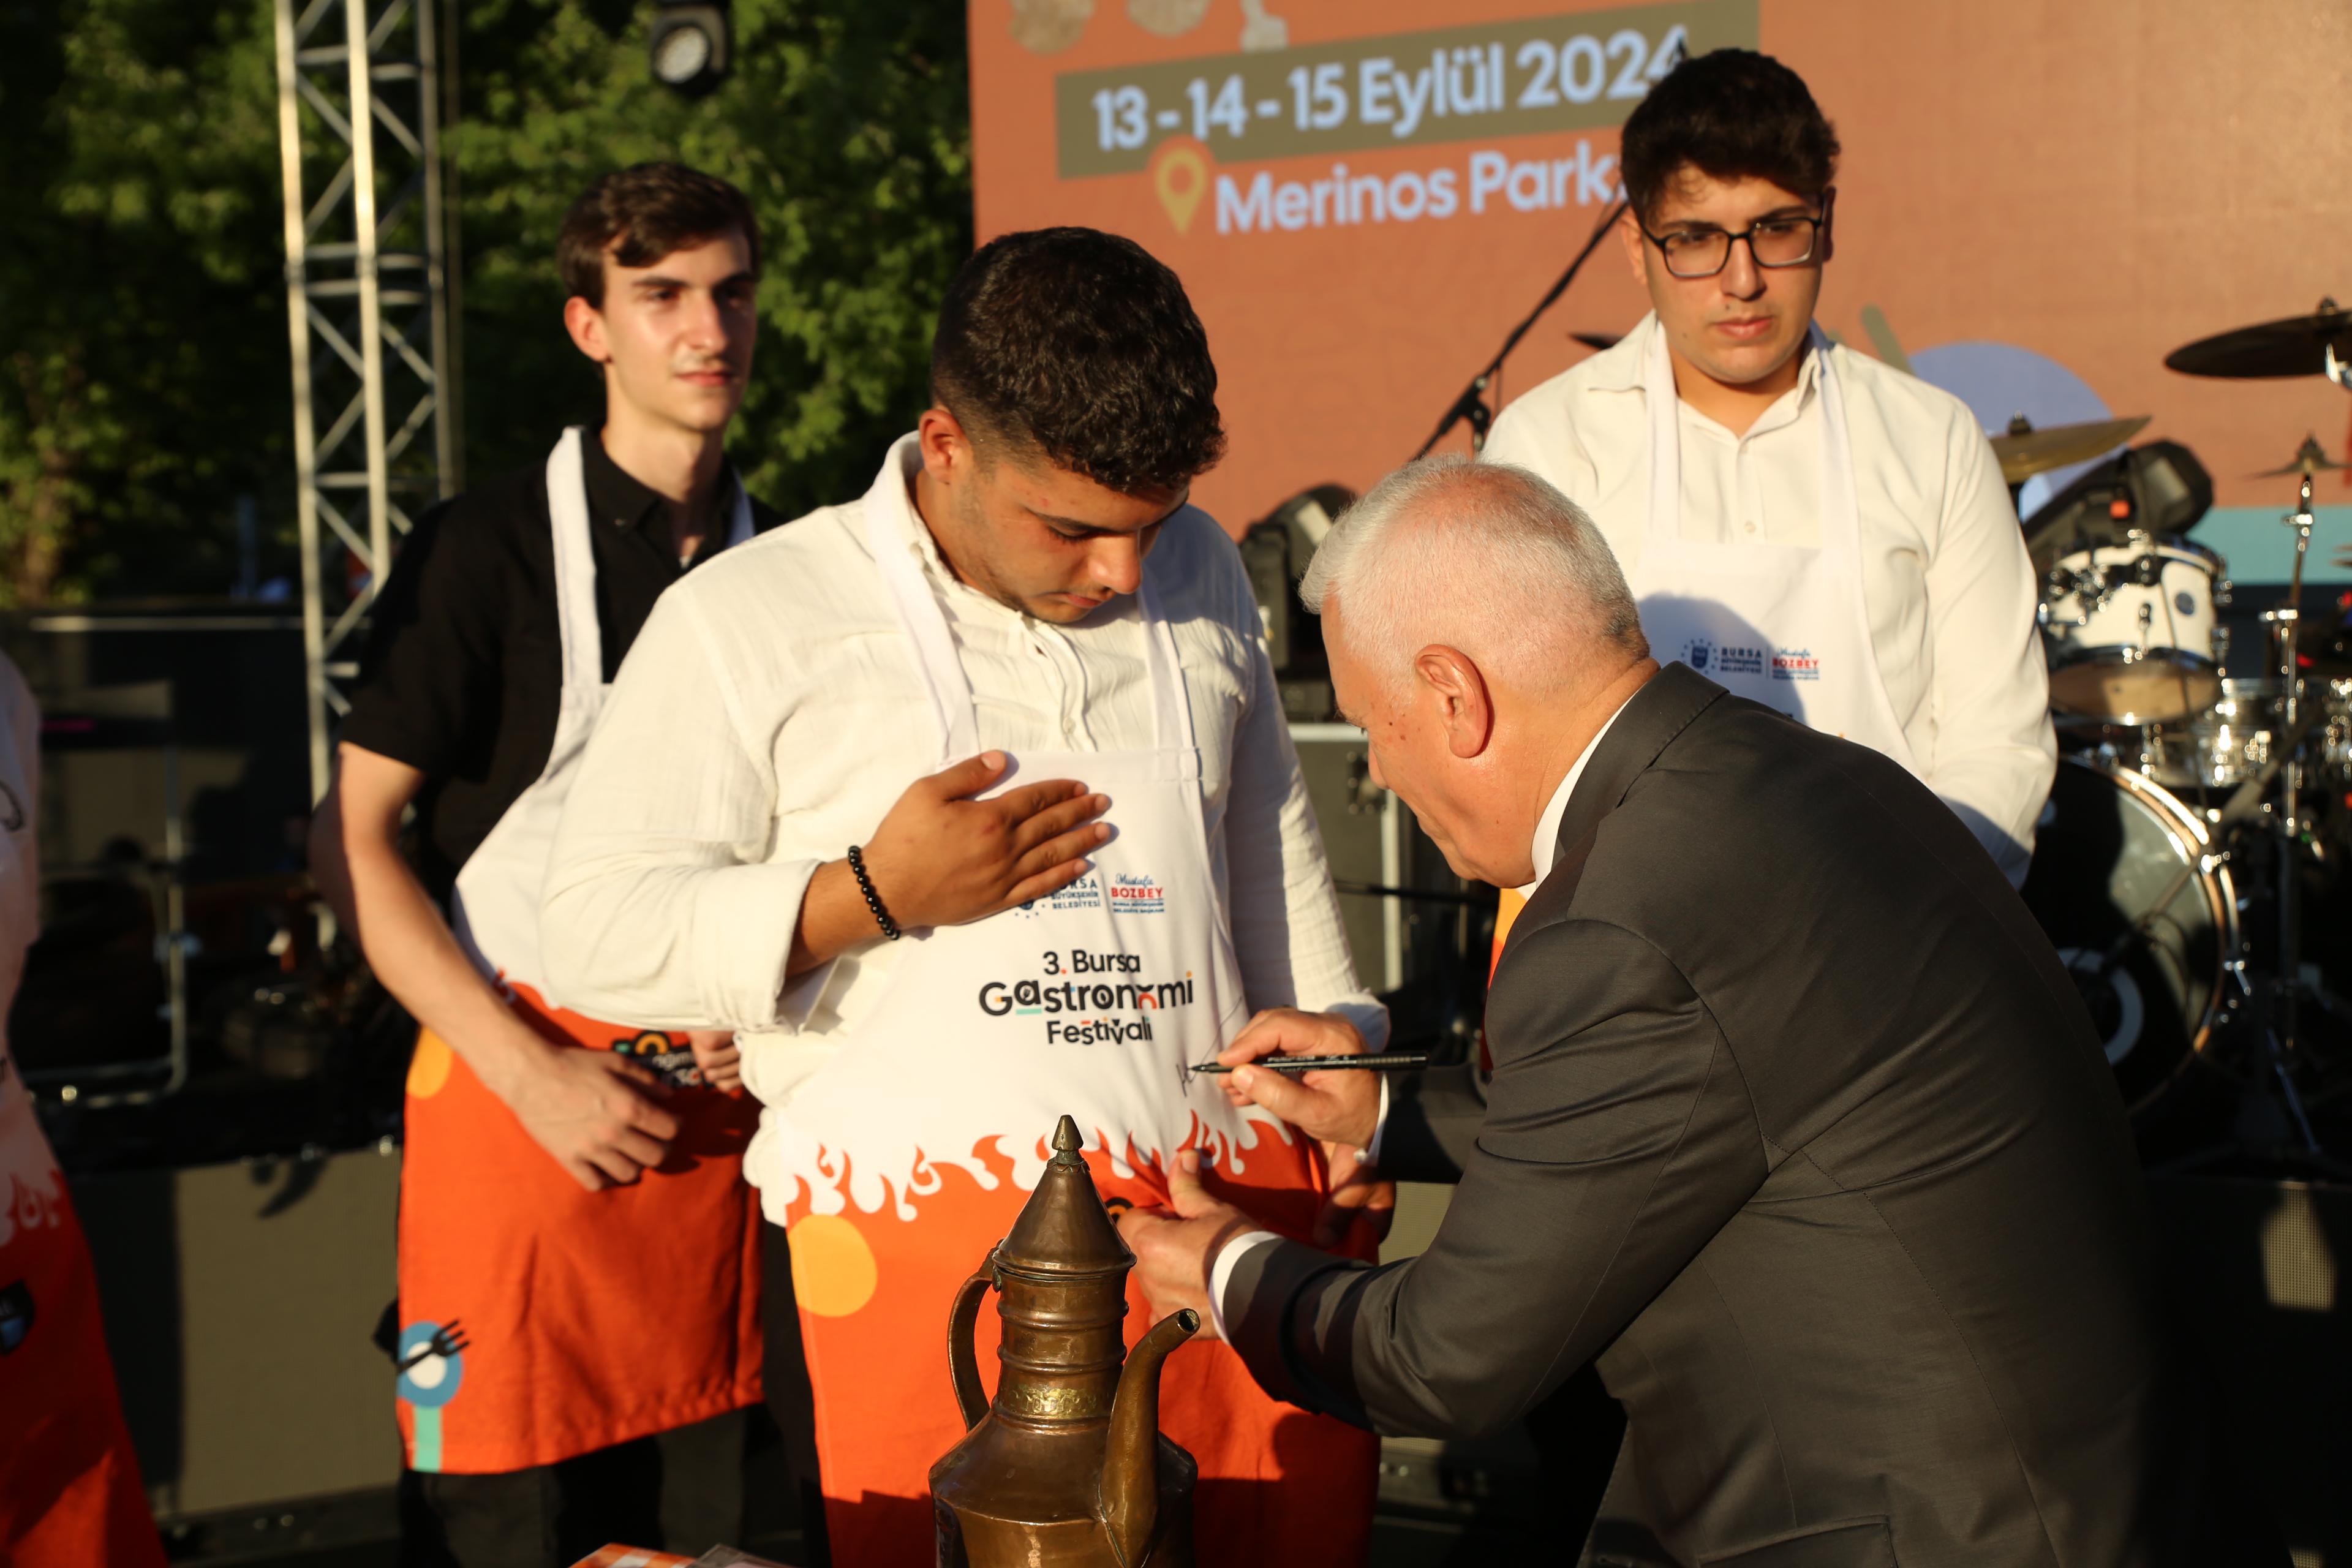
(1092, 1002)
(1782, 625)
(494, 908)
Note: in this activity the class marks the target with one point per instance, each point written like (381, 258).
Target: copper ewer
(1067, 1469)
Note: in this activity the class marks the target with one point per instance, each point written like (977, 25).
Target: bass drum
(2109, 847)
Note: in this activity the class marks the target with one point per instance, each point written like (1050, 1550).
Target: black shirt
(463, 669)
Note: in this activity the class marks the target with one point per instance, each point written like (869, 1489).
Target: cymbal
(2296, 346)
(2024, 451)
(2310, 457)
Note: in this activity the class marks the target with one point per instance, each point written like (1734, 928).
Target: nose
(706, 324)
(1117, 560)
(1741, 277)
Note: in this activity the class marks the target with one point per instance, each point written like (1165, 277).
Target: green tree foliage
(847, 125)
(144, 374)
(142, 318)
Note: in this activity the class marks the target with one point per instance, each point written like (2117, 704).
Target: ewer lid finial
(1063, 1228)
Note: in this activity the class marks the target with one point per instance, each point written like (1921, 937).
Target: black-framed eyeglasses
(1789, 241)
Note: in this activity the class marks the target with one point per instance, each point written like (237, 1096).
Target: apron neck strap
(935, 665)
(1171, 705)
(1841, 515)
(575, 568)
(738, 521)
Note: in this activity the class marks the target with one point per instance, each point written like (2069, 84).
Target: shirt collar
(617, 497)
(1546, 844)
(1623, 366)
(898, 473)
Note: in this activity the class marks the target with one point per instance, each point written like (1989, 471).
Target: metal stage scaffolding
(375, 427)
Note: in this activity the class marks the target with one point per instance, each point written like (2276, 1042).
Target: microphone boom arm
(1472, 404)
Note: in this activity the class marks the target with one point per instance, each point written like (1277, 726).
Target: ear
(1637, 254)
(1829, 227)
(1464, 707)
(586, 325)
(948, 454)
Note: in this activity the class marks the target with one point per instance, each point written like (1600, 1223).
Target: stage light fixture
(688, 45)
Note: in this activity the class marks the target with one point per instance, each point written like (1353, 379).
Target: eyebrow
(659, 281)
(1794, 209)
(1088, 528)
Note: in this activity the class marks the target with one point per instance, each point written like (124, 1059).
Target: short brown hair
(642, 213)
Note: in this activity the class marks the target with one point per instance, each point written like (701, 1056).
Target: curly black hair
(1078, 346)
(1733, 114)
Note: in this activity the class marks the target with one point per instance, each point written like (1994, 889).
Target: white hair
(1483, 557)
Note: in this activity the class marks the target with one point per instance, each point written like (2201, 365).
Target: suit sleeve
(1618, 1138)
(1433, 1123)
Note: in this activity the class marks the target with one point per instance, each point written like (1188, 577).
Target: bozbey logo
(1135, 894)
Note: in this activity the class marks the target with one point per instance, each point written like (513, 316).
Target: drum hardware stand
(2272, 1121)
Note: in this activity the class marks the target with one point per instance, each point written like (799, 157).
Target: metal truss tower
(375, 430)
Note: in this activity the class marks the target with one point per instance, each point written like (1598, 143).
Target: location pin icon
(1179, 174)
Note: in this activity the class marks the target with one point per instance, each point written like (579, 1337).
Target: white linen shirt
(771, 713)
(1946, 581)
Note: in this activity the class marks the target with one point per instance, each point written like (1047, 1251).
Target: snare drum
(2131, 633)
(2231, 740)
(2217, 749)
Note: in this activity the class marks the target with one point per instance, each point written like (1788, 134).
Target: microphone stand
(1472, 404)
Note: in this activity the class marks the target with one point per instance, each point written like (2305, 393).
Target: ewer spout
(1128, 1502)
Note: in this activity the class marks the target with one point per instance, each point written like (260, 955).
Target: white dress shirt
(1545, 850)
(1947, 583)
(769, 714)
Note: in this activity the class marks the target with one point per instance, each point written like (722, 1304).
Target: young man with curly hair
(1014, 707)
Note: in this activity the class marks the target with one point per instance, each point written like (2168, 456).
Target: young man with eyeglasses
(1800, 523)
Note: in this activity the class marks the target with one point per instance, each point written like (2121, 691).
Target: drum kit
(2195, 814)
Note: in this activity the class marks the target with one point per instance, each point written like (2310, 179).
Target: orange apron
(1278, 1486)
(540, 1320)
(897, 1162)
(69, 1490)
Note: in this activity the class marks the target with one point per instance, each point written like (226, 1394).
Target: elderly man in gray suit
(1795, 1124)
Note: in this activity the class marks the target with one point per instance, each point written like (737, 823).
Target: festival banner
(2036, 203)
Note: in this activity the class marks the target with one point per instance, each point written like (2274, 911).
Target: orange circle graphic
(834, 1272)
(428, 1069)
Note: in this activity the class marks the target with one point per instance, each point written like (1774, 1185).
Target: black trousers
(791, 1401)
(682, 1490)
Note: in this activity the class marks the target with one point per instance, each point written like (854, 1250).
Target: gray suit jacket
(1798, 1127)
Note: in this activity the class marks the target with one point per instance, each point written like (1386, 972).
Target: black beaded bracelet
(872, 899)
